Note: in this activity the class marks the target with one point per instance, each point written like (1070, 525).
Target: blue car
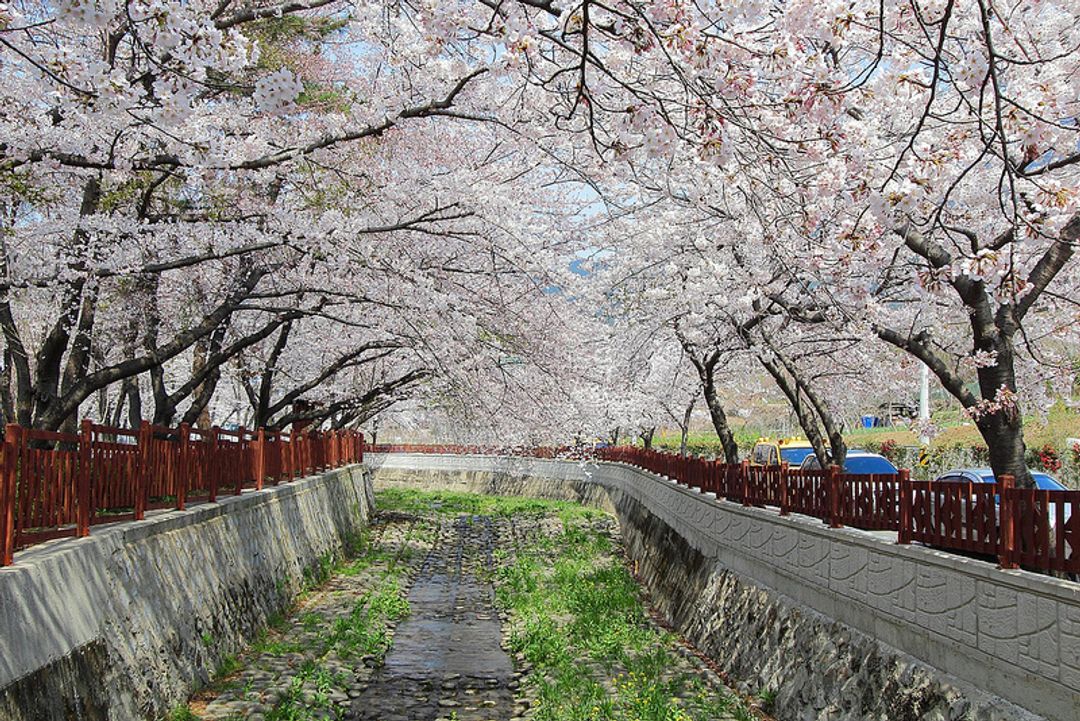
(860, 462)
(1043, 481)
(794, 455)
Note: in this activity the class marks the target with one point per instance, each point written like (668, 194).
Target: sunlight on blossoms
(277, 92)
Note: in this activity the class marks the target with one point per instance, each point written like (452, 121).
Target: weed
(276, 620)
(182, 713)
(320, 572)
(277, 647)
(228, 666)
(356, 543)
(311, 620)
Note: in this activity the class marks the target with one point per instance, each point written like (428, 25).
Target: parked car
(773, 452)
(856, 461)
(1043, 481)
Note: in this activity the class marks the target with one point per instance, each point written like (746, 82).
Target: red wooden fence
(963, 516)
(54, 485)
(1043, 528)
(1025, 527)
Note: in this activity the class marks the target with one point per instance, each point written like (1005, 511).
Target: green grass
(181, 713)
(578, 618)
(572, 599)
(1060, 423)
(228, 666)
(453, 503)
(364, 630)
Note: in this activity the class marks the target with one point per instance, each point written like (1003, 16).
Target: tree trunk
(685, 427)
(1003, 429)
(646, 436)
(833, 430)
(261, 404)
(78, 361)
(993, 330)
(7, 406)
(719, 418)
(807, 420)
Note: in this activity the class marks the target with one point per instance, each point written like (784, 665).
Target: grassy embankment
(1060, 423)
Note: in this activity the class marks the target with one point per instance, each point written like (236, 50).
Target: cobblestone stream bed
(468, 608)
(447, 656)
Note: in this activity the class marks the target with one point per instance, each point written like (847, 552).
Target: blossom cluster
(278, 91)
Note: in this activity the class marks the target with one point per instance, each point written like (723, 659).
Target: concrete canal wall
(833, 624)
(126, 623)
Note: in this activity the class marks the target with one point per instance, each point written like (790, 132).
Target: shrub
(1049, 459)
(890, 449)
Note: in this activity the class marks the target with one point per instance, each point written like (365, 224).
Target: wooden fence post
(832, 489)
(904, 535)
(86, 438)
(183, 477)
(360, 448)
(142, 481)
(213, 464)
(744, 482)
(1007, 555)
(8, 469)
(260, 458)
(287, 458)
(279, 454)
(785, 508)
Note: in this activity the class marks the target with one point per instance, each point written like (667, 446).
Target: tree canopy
(537, 219)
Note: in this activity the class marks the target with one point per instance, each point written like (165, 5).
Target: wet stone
(452, 639)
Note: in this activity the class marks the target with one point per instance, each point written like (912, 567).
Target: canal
(460, 607)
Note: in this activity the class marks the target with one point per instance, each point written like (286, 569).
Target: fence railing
(55, 485)
(1025, 527)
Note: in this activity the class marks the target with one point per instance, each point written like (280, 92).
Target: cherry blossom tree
(195, 194)
(897, 150)
(189, 185)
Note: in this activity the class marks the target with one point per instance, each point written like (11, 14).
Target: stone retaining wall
(836, 624)
(126, 623)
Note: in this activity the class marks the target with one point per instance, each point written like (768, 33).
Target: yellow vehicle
(773, 452)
